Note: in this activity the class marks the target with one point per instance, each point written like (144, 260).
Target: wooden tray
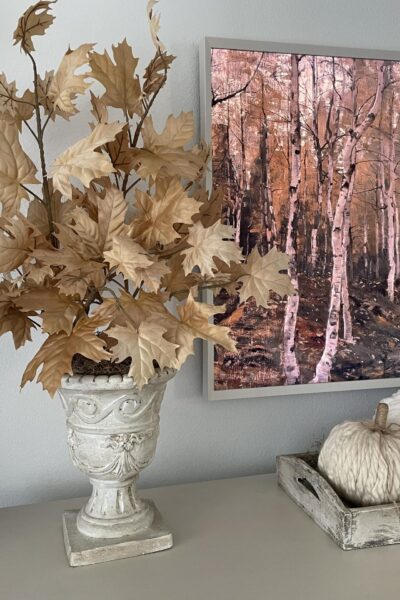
(351, 527)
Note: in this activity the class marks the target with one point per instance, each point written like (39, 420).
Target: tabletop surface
(235, 539)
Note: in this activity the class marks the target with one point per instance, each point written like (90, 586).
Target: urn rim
(113, 382)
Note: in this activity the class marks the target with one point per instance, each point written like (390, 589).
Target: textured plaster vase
(112, 430)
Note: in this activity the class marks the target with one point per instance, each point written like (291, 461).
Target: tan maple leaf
(164, 153)
(16, 242)
(146, 305)
(37, 212)
(207, 243)
(43, 87)
(8, 293)
(71, 284)
(8, 94)
(73, 245)
(111, 216)
(35, 272)
(77, 272)
(177, 132)
(134, 263)
(226, 277)
(119, 79)
(65, 84)
(120, 151)
(262, 275)
(194, 323)
(35, 239)
(154, 24)
(144, 345)
(71, 281)
(35, 20)
(157, 215)
(155, 75)
(151, 276)
(127, 256)
(64, 257)
(15, 109)
(11, 318)
(99, 109)
(19, 324)
(87, 230)
(55, 355)
(176, 283)
(16, 169)
(81, 160)
(57, 311)
(87, 198)
(211, 206)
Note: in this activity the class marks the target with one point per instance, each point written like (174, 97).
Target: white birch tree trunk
(346, 311)
(290, 365)
(365, 246)
(324, 366)
(397, 238)
(331, 162)
(377, 248)
(390, 247)
(269, 221)
(391, 212)
(332, 132)
(243, 183)
(319, 169)
(382, 199)
(347, 320)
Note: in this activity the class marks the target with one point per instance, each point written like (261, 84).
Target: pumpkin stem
(381, 415)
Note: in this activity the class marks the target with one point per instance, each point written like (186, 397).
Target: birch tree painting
(306, 152)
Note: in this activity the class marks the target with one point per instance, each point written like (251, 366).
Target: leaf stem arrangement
(108, 249)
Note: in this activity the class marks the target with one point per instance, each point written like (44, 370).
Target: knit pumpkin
(361, 460)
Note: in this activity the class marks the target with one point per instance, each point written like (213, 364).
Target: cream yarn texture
(393, 403)
(362, 462)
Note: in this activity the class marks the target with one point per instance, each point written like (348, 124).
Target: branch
(128, 189)
(30, 192)
(46, 189)
(147, 106)
(31, 130)
(215, 100)
(47, 120)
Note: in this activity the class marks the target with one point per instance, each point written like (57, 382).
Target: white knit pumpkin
(362, 460)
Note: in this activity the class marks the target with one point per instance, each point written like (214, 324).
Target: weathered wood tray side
(350, 527)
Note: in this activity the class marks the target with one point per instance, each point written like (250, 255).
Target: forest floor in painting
(374, 354)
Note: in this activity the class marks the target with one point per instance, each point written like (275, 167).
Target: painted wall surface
(199, 440)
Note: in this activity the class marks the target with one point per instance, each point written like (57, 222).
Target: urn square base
(82, 550)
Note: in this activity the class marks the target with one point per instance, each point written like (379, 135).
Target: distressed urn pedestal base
(112, 435)
(83, 550)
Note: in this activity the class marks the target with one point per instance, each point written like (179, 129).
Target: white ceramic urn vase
(112, 430)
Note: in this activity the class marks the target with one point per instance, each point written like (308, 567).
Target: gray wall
(199, 440)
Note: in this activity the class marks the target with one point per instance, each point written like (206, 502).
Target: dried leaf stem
(31, 192)
(45, 183)
(147, 106)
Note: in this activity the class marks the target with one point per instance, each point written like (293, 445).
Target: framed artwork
(306, 154)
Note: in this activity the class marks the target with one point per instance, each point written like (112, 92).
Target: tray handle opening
(308, 486)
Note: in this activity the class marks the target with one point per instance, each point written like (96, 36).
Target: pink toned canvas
(307, 151)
